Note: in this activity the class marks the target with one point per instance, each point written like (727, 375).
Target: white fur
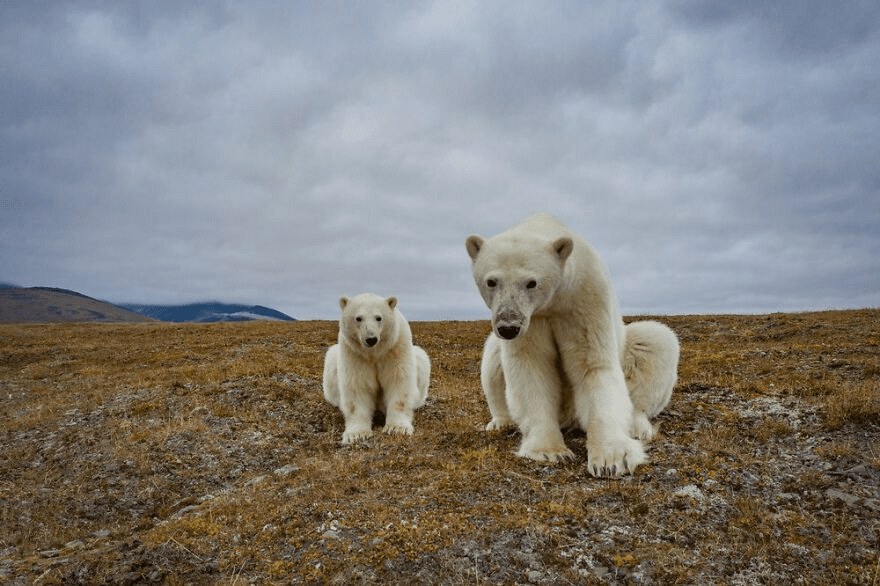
(560, 353)
(391, 375)
(650, 367)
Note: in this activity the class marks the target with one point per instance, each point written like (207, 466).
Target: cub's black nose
(371, 342)
(508, 332)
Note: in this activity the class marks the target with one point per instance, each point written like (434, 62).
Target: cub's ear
(392, 302)
(474, 243)
(563, 247)
(343, 301)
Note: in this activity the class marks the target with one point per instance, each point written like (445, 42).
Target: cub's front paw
(499, 423)
(353, 436)
(398, 429)
(612, 458)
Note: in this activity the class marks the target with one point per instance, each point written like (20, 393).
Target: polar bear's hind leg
(650, 366)
(331, 376)
(423, 376)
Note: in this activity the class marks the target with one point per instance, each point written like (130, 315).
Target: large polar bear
(560, 354)
(375, 366)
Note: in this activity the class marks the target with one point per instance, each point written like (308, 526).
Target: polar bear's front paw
(499, 423)
(353, 436)
(552, 455)
(398, 429)
(545, 445)
(614, 458)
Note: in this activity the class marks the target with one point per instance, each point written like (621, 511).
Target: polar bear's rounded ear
(392, 302)
(563, 247)
(343, 301)
(474, 243)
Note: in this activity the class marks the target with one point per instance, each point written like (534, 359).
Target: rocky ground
(205, 454)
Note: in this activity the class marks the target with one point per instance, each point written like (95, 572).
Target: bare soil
(205, 454)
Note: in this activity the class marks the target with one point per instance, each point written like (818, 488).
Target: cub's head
(367, 319)
(517, 277)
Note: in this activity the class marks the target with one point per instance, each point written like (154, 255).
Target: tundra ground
(205, 454)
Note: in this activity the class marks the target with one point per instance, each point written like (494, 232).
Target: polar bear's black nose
(508, 332)
(372, 341)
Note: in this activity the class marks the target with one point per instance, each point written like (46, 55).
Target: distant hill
(52, 304)
(47, 304)
(209, 311)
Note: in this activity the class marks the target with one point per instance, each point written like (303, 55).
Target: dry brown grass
(178, 454)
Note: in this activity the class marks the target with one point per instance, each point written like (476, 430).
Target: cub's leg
(358, 390)
(534, 392)
(492, 379)
(650, 366)
(398, 379)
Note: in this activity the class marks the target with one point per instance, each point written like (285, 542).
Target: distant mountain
(48, 304)
(210, 311)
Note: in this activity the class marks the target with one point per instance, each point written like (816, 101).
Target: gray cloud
(721, 157)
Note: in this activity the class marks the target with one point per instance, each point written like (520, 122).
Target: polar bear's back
(549, 228)
(542, 225)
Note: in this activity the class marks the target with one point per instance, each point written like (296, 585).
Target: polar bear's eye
(378, 318)
(359, 319)
(531, 284)
(491, 283)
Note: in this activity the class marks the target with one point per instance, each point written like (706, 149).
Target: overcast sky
(722, 157)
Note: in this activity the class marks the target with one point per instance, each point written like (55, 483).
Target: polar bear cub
(375, 366)
(560, 354)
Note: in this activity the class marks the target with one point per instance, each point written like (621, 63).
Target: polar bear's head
(517, 277)
(367, 319)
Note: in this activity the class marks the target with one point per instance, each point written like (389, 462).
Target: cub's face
(517, 278)
(367, 319)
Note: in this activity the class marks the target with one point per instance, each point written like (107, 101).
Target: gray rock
(287, 470)
(254, 481)
(849, 499)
